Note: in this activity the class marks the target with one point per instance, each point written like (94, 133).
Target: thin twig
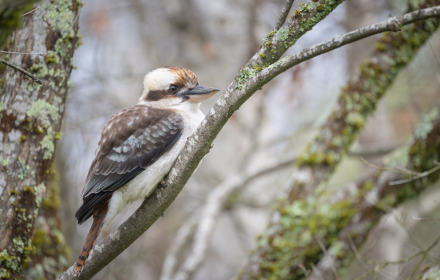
(370, 152)
(180, 240)
(395, 170)
(35, 79)
(284, 13)
(380, 265)
(402, 170)
(423, 174)
(328, 256)
(424, 219)
(21, 53)
(33, 10)
(304, 270)
(410, 236)
(425, 253)
(316, 271)
(356, 252)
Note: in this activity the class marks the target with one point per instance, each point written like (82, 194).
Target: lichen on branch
(290, 239)
(30, 121)
(277, 42)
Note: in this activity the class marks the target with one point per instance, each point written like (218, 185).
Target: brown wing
(131, 140)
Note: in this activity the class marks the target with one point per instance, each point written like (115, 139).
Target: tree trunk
(30, 117)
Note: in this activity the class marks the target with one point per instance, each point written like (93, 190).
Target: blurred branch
(378, 151)
(35, 79)
(326, 254)
(380, 265)
(344, 220)
(180, 240)
(281, 249)
(251, 78)
(412, 174)
(376, 195)
(284, 13)
(208, 217)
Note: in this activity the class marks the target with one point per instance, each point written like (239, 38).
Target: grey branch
(199, 144)
(182, 236)
(373, 152)
(284, 13)
(35, 79)
(209, 214)
(368, 212)
(391, 24)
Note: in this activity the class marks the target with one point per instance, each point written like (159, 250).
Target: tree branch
(391, 24)
(284, 13)
(210, 212)
(180, 240)
(279, 41)
(375, 195)
(279, 252)
(35, 79)
(198, 145)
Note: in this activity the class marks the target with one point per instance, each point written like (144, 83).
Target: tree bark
(30, 117)
(199, 144)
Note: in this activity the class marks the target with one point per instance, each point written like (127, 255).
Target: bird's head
(173, 85)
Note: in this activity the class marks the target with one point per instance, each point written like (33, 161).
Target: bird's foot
(163, 183)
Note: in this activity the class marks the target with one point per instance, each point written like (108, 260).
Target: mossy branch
(282, 38)
(391, 24)
(284, 13)
(288, 243)
(375, 195)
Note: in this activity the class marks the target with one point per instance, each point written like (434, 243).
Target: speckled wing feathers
(131, 140)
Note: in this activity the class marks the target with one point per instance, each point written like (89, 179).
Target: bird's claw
(163, 183)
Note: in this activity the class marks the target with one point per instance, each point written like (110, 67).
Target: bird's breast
(146, 182)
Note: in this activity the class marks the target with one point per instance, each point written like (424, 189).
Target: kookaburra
(139, 145)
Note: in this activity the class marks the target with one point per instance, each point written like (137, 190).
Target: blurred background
(123, 40)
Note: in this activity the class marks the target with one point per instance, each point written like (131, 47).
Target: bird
(138, 147)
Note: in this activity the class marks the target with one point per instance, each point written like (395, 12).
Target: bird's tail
(99, 214)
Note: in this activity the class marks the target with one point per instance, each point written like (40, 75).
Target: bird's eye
(173, 88)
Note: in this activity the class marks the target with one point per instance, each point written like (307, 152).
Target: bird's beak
(199, 93)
